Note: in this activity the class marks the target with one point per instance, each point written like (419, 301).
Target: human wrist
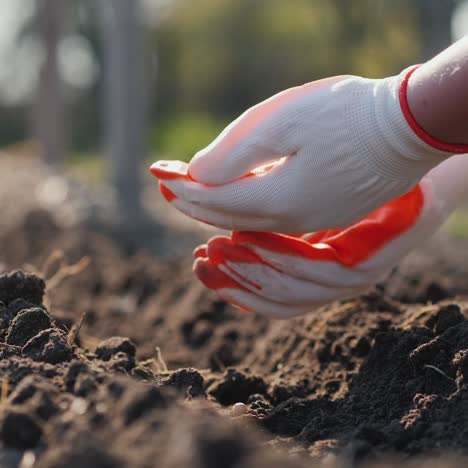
(437, 96)
(423, 119)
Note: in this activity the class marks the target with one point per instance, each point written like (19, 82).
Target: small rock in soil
(48, 346)
(19, 429)
(236, 387)
(239, 409)
(107, 348)
(27, 324)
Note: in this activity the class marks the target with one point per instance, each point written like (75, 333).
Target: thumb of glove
(263, 134)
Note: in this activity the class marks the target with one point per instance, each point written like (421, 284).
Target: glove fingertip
(212, 277)
(169, 170)
(200, 251)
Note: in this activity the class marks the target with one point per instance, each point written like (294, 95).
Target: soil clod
(356, 379)
(48, 346)
(20, 285)
(26, 325)
(188, 381)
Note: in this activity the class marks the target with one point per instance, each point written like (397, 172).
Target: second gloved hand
(282, 276)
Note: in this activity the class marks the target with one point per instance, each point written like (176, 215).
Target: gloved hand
(282, 276)
(337, 149)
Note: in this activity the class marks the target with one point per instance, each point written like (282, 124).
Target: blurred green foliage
(182, 135)
(223, 56)
(219, 57)
(178, 137)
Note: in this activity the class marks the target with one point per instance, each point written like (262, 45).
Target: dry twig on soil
(75, 330)
(160, 362)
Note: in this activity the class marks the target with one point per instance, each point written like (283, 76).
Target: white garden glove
(282, 276)
(340, 148)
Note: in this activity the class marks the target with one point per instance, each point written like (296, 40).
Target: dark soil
(151, 376)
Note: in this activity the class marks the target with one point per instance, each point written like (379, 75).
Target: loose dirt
(150, 377)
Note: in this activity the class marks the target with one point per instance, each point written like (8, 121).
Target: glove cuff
(393, 147)
(451, 148)
(381, 134)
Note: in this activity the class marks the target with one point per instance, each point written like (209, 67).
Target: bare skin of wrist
(438, 94)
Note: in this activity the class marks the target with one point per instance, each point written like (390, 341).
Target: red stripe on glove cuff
(453, 148)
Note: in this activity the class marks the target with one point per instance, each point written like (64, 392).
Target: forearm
(438, 94)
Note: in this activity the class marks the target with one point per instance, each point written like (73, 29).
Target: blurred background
(91, 92)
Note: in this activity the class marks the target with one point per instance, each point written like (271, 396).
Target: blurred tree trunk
(124, 89)
(435, 18)
(48, 119)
